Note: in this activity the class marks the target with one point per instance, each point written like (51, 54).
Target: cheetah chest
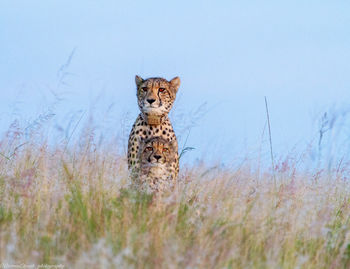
(141, 131)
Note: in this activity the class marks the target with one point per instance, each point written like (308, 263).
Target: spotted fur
(158, 165)
(155, 98)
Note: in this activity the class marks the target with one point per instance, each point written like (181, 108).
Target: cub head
(157, 152)
(156, 96)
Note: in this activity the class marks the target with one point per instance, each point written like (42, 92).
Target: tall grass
(73, 206)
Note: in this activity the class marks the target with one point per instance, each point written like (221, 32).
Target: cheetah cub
(158, 165)
(155, 97)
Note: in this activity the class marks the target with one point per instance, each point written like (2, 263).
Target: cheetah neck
(154, 120)
(157, 171)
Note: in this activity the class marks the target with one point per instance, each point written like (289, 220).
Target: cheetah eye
(165, 150)
(149, 149)
(161, 89)
(144, 89)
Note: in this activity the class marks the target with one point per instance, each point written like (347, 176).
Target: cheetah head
(157, 152)
(156, 96)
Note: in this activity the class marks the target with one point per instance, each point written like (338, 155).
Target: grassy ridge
(74, 207)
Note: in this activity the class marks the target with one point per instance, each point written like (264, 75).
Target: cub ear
(138, 80)
(175, 83)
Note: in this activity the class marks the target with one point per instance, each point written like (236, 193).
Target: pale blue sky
(228, 54)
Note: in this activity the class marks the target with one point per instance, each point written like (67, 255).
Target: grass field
(73, 206)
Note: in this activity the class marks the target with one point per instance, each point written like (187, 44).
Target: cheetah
(158, 165)
(155, 97)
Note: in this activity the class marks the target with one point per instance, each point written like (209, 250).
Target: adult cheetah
(155, 97)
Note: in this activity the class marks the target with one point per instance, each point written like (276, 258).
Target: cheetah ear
(172, 144)
(175, 83)
(138, 80)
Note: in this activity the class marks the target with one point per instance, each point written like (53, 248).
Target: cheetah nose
(157, 157)
(151, 101)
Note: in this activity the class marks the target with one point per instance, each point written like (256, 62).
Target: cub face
(157, 152)
(156, 96)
